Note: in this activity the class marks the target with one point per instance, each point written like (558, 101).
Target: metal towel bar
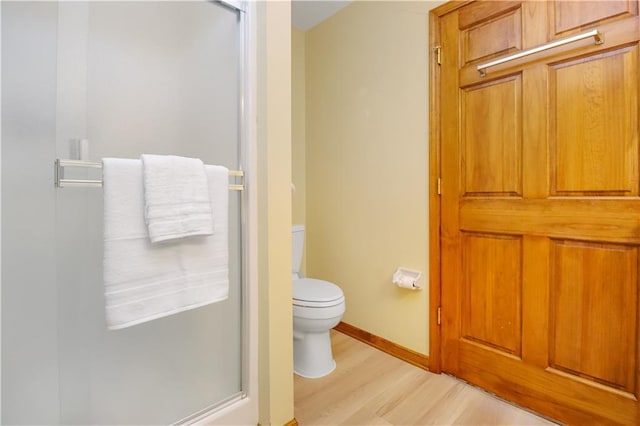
(598, 38)
(62, 182)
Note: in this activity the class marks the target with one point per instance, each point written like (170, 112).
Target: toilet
(318, 306)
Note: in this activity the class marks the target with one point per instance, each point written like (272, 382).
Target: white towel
(145, 281)
(176, 197)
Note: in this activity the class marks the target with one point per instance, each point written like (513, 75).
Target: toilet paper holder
(407, 278)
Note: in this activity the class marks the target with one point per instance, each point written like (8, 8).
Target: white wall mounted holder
(407, 278)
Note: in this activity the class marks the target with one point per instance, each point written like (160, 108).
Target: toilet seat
(313, 293)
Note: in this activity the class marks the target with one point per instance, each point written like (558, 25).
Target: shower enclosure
(88, 80)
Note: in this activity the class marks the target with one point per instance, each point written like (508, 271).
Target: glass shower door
(125, 78)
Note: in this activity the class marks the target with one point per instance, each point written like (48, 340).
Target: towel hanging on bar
(176, 196)
(145, 281)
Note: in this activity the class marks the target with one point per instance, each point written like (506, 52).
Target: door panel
(478, 13)
(570, 15)
(540, 207)
(594, 124)
(492, 138)
(504, 32)
(593, 309)
(491, 294)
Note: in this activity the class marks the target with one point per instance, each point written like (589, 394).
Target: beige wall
(274, 213)
(367, 162)
(298, 126)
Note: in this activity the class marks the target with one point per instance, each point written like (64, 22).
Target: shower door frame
(0, 220)
(241, 408)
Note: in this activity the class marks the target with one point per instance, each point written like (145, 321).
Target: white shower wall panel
(29, 311)
(132, 78)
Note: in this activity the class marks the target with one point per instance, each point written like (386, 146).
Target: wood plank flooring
(370, 387)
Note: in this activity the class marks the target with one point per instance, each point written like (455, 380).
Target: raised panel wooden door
(540, 206)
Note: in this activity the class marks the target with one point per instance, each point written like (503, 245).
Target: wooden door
(540, 206)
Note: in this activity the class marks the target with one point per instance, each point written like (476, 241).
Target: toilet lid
(312, 290)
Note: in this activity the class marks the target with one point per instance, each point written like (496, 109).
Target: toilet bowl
(318, 306)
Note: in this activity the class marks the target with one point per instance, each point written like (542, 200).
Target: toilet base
(312, 355)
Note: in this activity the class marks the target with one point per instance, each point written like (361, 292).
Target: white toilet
(318, 306)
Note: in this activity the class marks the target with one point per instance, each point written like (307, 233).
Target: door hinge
(439, 186)
(438, 51)
(439, 315)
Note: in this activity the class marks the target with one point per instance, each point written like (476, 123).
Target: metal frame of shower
(239, 183)
(244, 132)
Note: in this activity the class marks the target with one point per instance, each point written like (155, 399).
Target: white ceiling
(306, 14)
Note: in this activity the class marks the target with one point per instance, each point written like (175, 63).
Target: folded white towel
(145, 281)
(176, 197)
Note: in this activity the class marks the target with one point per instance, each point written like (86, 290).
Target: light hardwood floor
(370, 387)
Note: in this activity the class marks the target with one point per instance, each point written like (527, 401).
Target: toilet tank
(297, 247)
